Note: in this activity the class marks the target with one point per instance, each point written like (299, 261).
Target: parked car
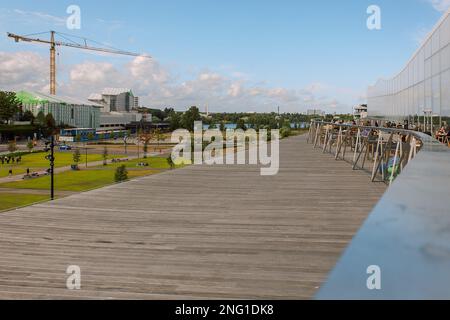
(65, 148)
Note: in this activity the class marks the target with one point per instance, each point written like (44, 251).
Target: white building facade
(422, 87)
(114, 99)
(117, 105)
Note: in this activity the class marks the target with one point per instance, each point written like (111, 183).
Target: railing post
(325, 140)
(357, 146)
(318, 130)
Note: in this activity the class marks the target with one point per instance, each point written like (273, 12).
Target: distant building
(315, 112)
(360, 112)
(118, 120)
(117, 105)
(114, 99)
(65, 110)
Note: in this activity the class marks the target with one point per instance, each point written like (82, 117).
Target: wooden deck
(197, 232)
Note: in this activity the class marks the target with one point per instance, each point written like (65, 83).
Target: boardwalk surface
(197, 232)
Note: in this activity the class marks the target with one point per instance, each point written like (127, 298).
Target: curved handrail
(406, 236)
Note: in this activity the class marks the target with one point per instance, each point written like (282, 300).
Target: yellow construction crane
(53, 44)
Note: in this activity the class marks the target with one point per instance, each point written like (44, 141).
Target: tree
(40, 120)
(158, 135)
(105, 156)
(175, 121)
(145, 149)
(168, 111)
(12, 146)
(121, 174)
(146, 138)
(30, 146)
(156, 119)
(90, 136)
(189, 117)
(9, 106)
(76, 156)
(28, 116)
(222, 126)
(50, 123)
(241, 125)
(78, 137)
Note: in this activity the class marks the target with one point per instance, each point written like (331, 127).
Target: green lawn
(37, 162)
(91, 178)
(14, 200)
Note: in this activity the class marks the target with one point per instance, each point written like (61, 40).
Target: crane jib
(53, 43)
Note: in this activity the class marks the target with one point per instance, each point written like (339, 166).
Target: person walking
(10, 173)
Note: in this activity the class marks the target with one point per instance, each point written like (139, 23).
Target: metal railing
(405, 242)
(387, 150)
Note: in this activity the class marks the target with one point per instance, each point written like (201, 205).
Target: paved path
(195, 232)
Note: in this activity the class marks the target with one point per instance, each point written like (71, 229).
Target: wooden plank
(197, 232)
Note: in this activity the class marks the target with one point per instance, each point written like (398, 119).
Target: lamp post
(50, 147)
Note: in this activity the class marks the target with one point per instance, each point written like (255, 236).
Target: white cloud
(159, 88)
(440, 5)
(41, 15)
(22, 17)
(23, 68)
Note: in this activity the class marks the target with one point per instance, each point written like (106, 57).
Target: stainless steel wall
(424, 84)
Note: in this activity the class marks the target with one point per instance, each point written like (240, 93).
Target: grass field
(91, 178)
(13, 200)
(37, 162)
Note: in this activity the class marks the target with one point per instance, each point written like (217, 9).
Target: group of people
(10, 159)
(443, 134)
(10, 172)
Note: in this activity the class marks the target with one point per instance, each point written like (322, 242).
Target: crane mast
(53, 44)
(52, 64)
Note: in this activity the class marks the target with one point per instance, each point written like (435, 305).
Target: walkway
(196, 232)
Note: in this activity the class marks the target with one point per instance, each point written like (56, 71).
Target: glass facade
(79, 116)
(423, 85)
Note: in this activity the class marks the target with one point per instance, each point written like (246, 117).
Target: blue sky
(232, 55)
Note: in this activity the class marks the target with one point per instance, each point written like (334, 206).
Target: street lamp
(50, 147)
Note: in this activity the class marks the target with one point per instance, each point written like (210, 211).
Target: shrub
(285, 132)
(12, 146)
(76, 156)
(121, 174)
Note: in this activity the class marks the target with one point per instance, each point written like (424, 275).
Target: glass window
(428, 49)
(435, 64)
(428, 95)
(445, 93)
(421, 65)
(427, 68)
(436, 92)
(445, 32)
(435, 44)
(445, 58)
